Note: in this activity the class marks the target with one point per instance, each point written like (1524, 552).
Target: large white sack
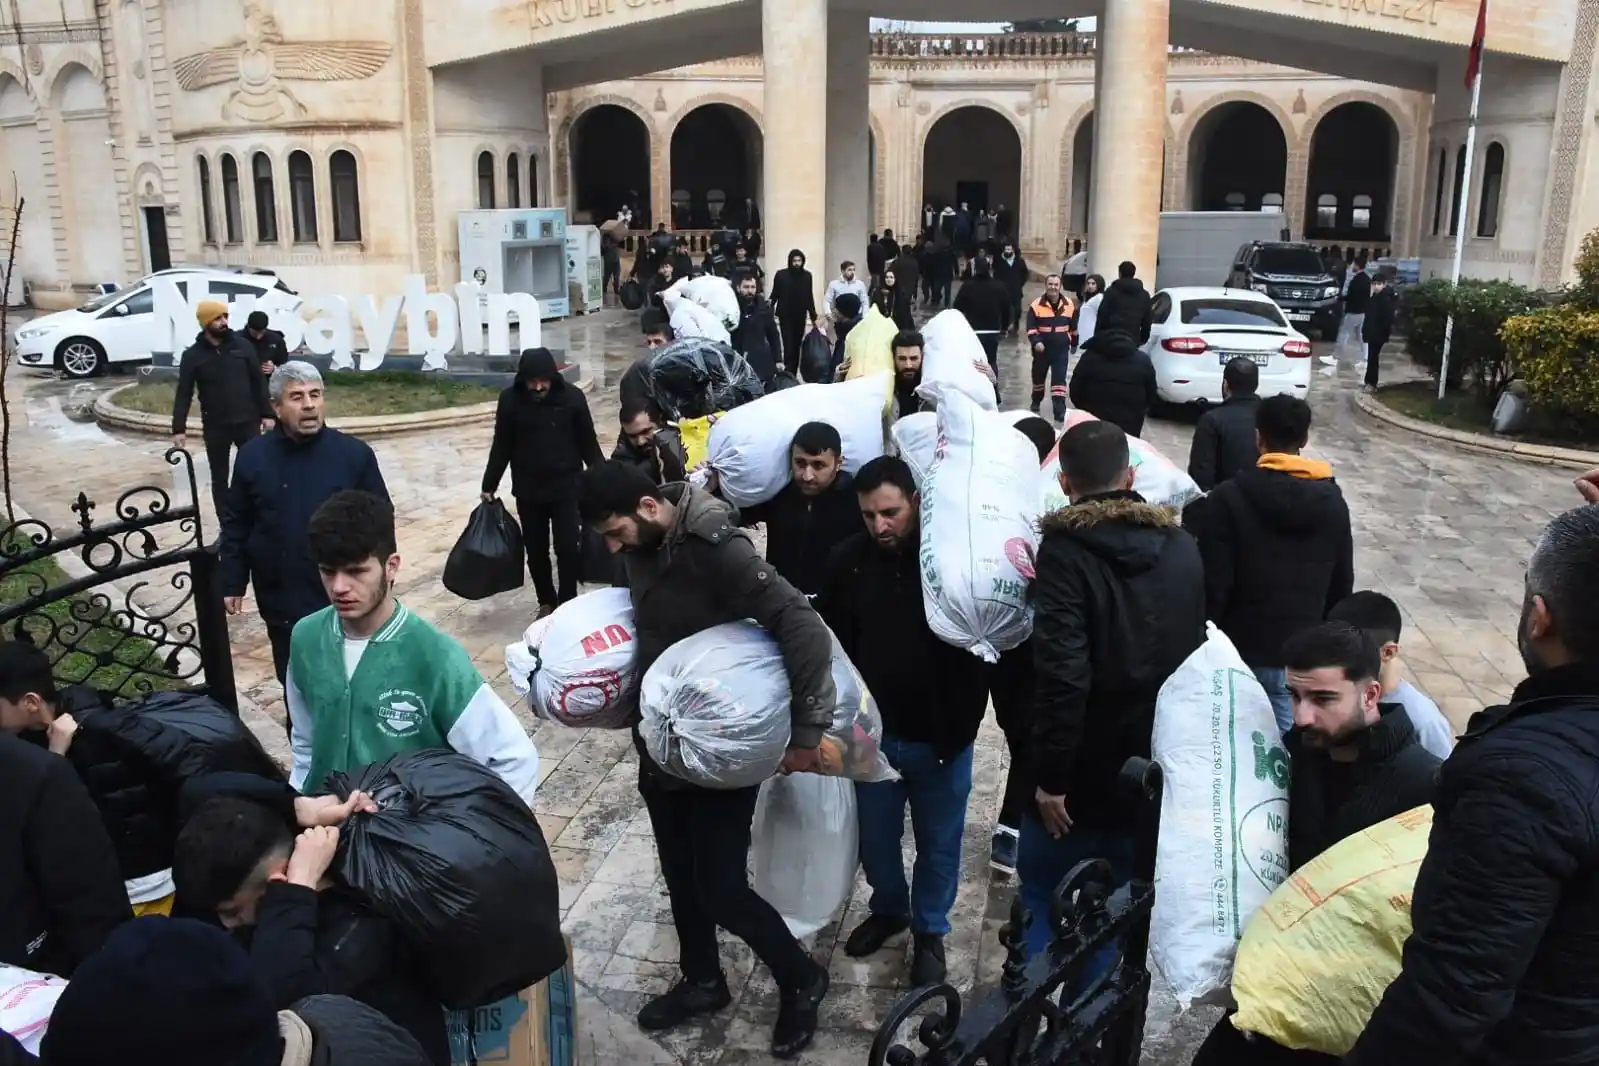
(579, 666)
(1223, 817)
(749, 446)
(804, 848)
(689, 319)
(26, 1001)
(950, 352)
(1156, 478)
(714, 294)
(915, 440)
(979, 508)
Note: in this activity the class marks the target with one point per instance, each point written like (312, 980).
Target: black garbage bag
(816, 357)
(487, 559)
(694, 377)
(456, 860)
(782, 380)
(632, 295)
(182, 735)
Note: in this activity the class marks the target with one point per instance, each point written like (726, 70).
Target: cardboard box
(535, 1027)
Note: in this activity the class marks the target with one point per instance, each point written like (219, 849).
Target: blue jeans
(1042, 862)
(1274, 679)
(936, 792)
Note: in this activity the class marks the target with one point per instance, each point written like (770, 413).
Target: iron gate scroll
(138, 610)
(1033, 1018)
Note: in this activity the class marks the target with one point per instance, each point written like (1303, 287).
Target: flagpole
(1461, 214)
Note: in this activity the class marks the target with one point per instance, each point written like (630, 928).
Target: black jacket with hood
(546, 441)
(228, 376)
(1499, 968)
(1278, 552)
(1118, 604)
(1114, 380)
(1125, 308)
(1224, 442)
(802, 531)
(985, 303)
(793, 291)
(1381, 309)
(756, 337)
(663, 462)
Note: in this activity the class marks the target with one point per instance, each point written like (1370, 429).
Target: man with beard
(543, 431)
(226, 369)
(845, 283)
(368, 679)
(756, 338)
(815, 512)
(650, 442)
(907, 349)
(1050, 322)
(794, 301)
(932, 696)
(688, 568)
(1499, 967)
(280, 481)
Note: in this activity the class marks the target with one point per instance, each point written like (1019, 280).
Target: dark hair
(613, 488)
(1283, 423)
(1094, 457)
(25, 668)
(1127, 270)
(885, 470)
(221, 846)
(1242, 376)
(634, 406)
(981, 266)
(351, 527)
(1564, 570)
(654, 320)
(1360, 259)
(848, 303)
(845, 265)
(815, 438)
(906, 338)
(257, 320)
(1334, 644)
(1040, 431)
(1371, 612)
(1098, 279)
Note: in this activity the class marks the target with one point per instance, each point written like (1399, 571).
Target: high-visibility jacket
(1055, 330)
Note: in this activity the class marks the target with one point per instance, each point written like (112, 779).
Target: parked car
(1294, 276)
(123, 327)
(1195, 332)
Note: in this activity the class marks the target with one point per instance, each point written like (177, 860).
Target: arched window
(1235, 201)
(532, 181)
(232, 212)
(346, 197)
(302, 197)
(1460, 184)
(1360, 212)
(1493, 178)
(513, 181)
(485, 181)
(1326, 211)
(266, 199)
(1438, 191)
(207, 221)
(1271, 203)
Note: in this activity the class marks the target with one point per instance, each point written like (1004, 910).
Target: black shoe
(870, 936)
(1035, 405)
(796, 1016)
(686, 1000)
(927, 965)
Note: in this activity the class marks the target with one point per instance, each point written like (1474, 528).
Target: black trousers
(703, 840)
(990, 343)
(1010, 686)
(219, 442)
(1373, 361)
(793, 331)
(279, 634)
(539, 520)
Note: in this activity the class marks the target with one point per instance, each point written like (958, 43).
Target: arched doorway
(973, 155)
(610, 165)
(1237, 160)
(1354, 155)
(1082, 175)
(716, 167)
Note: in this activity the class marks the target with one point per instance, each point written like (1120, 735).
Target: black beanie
(164, 992)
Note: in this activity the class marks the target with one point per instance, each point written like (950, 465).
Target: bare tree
(5, 357)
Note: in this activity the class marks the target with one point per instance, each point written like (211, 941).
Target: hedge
(1556, 352)
(1480, 308)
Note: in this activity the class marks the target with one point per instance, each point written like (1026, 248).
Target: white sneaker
(1329, 360)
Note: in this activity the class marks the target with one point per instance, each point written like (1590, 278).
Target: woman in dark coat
(794, 300)
(893, 301)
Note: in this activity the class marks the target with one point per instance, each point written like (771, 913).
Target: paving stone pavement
(1446, 533)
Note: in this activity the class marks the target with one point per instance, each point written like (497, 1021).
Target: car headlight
(31, 334)
(1260, 286)
(1329, 292)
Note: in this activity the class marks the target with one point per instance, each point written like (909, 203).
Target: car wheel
(80, 357)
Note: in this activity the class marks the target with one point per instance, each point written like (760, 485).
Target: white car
(1195, 332)
(122, 326)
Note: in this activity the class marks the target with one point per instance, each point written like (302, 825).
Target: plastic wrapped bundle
(693, 377)
(689, 319)
(805, 848)
(852, 747)
(578, 667)
(715, 295)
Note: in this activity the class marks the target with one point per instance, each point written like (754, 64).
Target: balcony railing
(999, 45)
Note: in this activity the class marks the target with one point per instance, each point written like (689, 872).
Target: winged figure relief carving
(261, 61)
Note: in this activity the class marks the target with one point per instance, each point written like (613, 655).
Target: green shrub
(1477, 356)
(1556, 352)
(1584, 294)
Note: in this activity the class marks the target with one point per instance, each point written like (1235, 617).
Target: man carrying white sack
(688, 568)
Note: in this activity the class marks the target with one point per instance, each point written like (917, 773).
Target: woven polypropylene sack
(915, 438)
(583, 662)
(950, 354)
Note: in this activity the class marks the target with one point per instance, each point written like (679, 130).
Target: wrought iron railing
(1048, 1010)
(137, 608)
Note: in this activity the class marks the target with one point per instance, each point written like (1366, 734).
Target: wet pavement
(1445, 532)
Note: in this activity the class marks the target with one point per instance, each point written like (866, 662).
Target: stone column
(1129, 127)
(794, 208)
(849, 171)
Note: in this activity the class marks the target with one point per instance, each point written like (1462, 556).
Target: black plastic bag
(782, 380)
(487, 559)
(182, 735)
(456, 860)
(816, 357)
(695, 377)
(632, 295)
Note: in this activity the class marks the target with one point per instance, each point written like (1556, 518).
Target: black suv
(1295, 277)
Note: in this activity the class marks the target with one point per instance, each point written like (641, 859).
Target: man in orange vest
(1051, 329)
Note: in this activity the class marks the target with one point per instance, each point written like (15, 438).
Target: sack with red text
(579, 666)
(26, 1000)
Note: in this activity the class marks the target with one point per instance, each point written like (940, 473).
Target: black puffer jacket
(228, 377)
(1118, 604)
(756, 337)
(1278, 553)
(546, 442)
(1125, 308)
(802, 531)
(346, 1032)
(1500, 966)
(1224, 442)
(1114, 381)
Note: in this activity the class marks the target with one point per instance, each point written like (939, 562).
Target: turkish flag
(1474, 64)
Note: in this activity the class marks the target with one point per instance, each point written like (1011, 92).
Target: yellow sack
(1315, 960)
(161, 907)
(696, 433)
(869, 349)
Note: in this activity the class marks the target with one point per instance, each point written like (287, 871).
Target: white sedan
(1195, 332)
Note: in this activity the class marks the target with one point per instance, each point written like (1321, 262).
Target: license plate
(1258, 358)
(1294, 316)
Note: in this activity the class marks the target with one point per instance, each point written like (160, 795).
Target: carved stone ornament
(1299, 103)
(660, 101)
(35, 56)
(1177, 103)
(902, 96)
(924, 108)
(138, 69)
(259, 62)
